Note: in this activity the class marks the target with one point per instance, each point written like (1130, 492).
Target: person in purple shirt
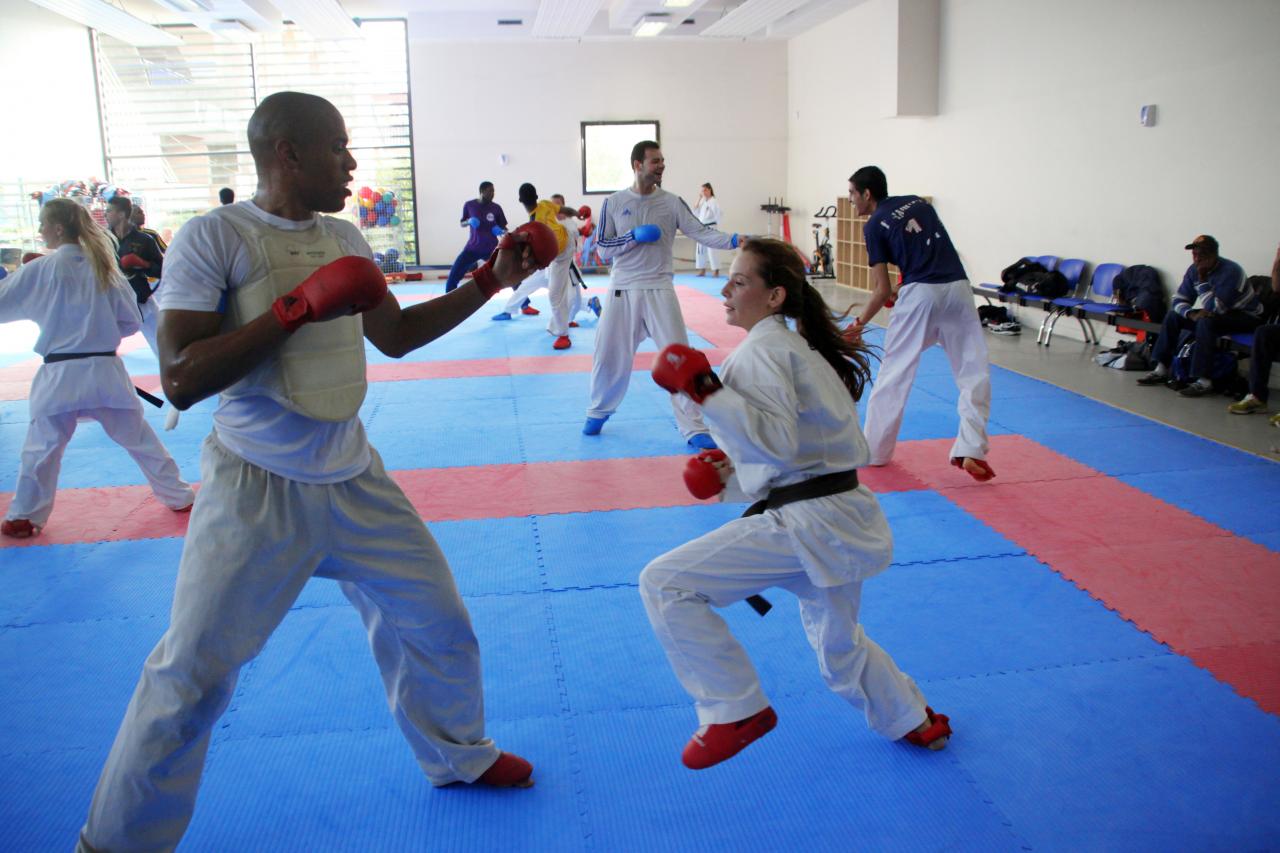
(487, 222)
(1212, 300)
(933, 306)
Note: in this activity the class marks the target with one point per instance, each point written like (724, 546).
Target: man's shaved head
(295, 116)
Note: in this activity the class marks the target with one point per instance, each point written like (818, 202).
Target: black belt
(55, 357)
(821, 486)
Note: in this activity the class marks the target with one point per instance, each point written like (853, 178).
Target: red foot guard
(719, 741)
(939, 730)
(509, 771)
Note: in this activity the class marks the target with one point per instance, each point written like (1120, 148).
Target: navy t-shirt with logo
(905, 231)
(483, 241)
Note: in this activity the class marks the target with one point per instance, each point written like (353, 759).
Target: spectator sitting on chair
(1266, 346)
(1213, 300)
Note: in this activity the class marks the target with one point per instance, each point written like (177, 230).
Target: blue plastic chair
(1102, 287)
(1072, 270)
(987, 290)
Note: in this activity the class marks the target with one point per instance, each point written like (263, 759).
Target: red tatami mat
(1196, 587)
(439, 494)
(704, 314)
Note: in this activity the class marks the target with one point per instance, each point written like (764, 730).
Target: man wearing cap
(1213, 300)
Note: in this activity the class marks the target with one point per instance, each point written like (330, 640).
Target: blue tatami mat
(1144, 447)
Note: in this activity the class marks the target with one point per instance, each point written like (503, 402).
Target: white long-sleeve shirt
(60, 294)
(648, 266)
(784, 416)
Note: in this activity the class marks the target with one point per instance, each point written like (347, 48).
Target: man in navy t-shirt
(487, 221)
(933, 306)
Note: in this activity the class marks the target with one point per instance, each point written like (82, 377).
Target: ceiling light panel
(752, 17)
(112, 21)
(564, 18)
(322, 19)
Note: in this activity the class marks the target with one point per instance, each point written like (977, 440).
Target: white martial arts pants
(525, 290)
(704, 258)
(560, 288)
(254, 541)
(47, 439)
(742, 558)
(928, 314)
(150, 319)
(630, 316)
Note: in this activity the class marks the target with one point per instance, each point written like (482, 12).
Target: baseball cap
(1204, 241)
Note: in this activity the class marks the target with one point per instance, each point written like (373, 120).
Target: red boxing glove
(349, 285)
(31, 256)
(584, 212)
(542, 244)
(702, 474)
(586, 230)
(133, 262)
(684, 370)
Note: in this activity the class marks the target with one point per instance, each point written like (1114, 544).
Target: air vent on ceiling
(510, 22)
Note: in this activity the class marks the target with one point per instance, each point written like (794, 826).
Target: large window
(174, 119)
(606, 152)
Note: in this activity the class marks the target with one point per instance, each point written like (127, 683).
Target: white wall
(722, 111)
(46, 71)
(1037, 149)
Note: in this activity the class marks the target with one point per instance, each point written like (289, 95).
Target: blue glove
(498, 231)
(474, 222)
(646, 233)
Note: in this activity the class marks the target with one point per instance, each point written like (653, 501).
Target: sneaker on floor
(18, 528)
(509, 771)
(716, 742)
(1275, 420)
(594, 304)
(1197, 389)
(702, 441)
(502, 315)
(1175, 384)
(1010, 328)
(530, 311)
(1153, 378)
(1248, 406)
(594, 425)
(562, 342)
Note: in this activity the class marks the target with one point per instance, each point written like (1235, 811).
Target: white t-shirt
(206, 260)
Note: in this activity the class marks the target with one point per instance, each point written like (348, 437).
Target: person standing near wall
(934, 306)
(708, 212)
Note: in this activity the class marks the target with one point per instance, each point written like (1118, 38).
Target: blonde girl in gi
(83, 306)
(786, 420)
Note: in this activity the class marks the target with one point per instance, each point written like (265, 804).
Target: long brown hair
(779, 265)
(97, 244)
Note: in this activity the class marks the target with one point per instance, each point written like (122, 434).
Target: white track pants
(704, 258)
(561, 290)
(47, 439)
(928, 314)
(628, 318)
(742, 558)
(525, 290)
(254, 541)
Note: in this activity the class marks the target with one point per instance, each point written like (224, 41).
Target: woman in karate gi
(83, 306)
(786, 420)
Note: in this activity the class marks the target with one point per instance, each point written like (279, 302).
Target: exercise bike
(822, 263)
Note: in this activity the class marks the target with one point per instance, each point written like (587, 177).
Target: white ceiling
(478, 20)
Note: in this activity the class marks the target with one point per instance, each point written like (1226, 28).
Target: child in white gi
(83, 306)
(787, 420)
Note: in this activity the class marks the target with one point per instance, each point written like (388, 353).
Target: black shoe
(1153, 378)
(1176, 384)
(1195, 389)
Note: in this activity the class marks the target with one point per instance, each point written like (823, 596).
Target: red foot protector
(509, 771)
(720, 741)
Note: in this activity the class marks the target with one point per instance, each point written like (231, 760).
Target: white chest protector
(320, 371)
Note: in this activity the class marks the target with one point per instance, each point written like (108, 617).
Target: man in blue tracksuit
(1212, 299)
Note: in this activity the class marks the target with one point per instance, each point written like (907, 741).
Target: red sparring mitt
(584, 212)
(133, 262)
(684, 370)
(28, 257)
(543, 248)
(349, 285)
(702, 474)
